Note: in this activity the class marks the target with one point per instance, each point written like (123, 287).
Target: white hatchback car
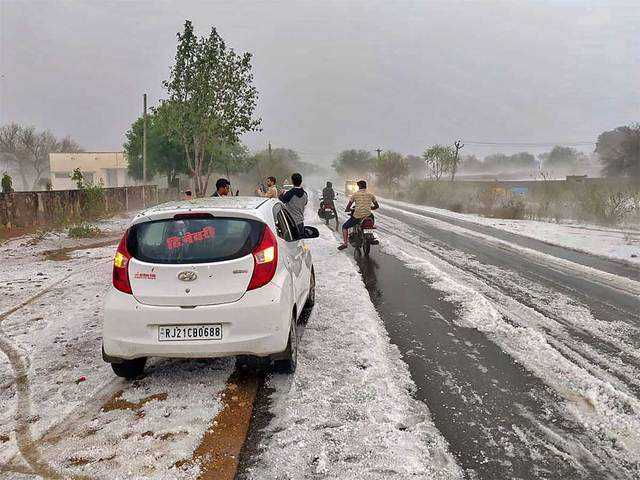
(208, 277)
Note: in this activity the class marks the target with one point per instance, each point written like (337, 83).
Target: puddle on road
(62, 254)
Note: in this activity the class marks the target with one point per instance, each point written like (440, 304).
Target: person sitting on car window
(295, 200)
(363, 203)
(223, 188)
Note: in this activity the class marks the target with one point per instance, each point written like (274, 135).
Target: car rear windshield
(193, 240)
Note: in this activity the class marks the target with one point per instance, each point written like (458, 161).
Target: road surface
(525, 353)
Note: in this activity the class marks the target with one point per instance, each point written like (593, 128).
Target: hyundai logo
(188, 276)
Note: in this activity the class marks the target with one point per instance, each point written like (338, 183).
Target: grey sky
(332, 75)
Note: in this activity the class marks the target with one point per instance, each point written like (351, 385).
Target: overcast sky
(333, 75)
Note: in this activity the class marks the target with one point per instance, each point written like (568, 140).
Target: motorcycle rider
(364, 202)
(328, 199)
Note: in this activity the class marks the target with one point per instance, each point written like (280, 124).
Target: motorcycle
(326, 212)
(361, 236)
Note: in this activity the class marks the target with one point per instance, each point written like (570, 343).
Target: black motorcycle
(326, 212)
(361, 236)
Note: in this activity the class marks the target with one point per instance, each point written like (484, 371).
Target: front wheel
(129, 369)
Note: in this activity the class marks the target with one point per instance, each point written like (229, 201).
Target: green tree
(165, 156)
(78, 178)
(281, 164)
(560, 156)
(619, 151)
(439, 160)
(231, 158)
(353, 163)
(390, 168)
(211, 99)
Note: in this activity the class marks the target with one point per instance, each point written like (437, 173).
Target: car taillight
(121, 266)
(265, 259)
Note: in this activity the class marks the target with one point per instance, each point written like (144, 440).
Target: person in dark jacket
(328, 198)
(223, 188)
(295, 200)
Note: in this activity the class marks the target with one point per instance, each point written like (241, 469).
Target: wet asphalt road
(502, 415)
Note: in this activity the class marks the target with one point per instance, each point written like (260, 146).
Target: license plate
(177, 333)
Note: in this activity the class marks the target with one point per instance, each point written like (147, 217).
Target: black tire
(366, 247)
(129, 369)
(311, 300)
(289, 363)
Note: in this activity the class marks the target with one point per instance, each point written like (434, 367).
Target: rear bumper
(257, 324)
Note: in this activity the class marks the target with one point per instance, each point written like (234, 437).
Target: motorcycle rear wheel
(366, 247)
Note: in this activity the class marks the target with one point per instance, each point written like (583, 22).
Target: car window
(283, 226)
(193, 240)
(291, 224)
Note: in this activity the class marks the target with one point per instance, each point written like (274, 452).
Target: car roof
(250, 207)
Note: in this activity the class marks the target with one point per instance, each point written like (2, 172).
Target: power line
(529, 144)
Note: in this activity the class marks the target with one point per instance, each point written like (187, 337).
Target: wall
(28, 209)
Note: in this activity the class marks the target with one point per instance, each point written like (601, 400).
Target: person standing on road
(223, 188)
(272, 190)
(364, 202)
(295, 200)
(328, 198)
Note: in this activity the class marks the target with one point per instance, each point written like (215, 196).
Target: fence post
(126, 199)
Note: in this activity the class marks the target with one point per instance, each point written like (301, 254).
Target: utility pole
(456, 160)
(144, 139)
(269, 152)
(144, 145)
(379, 151)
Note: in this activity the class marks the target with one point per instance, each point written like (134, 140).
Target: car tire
(311, 297)
(289, 363)
(129, 369)
(311, 300)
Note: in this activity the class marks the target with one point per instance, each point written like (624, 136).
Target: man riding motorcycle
(328, 200)
(364, 202)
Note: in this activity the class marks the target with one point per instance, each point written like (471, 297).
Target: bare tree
(28, 150)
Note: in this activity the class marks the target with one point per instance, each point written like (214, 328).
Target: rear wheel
(289, 363)
(311, 300)
(366, 246)
(129, 369)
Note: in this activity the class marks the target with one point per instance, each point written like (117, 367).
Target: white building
(108, 169)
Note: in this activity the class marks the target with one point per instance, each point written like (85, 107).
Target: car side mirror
(310, 232)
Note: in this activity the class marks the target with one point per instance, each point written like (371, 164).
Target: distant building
(577, 178)
(108, 169)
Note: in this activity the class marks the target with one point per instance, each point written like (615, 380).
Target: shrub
(514, 209)
(7, 183)
(84, 230)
